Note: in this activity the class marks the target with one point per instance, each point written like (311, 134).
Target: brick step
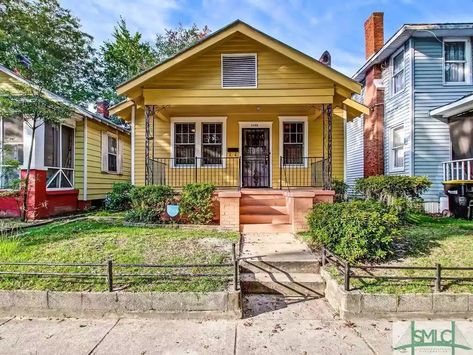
(290, 266)
(266, 228)
(264, 219)
(263, 210)
(266, 201)
(293, 284)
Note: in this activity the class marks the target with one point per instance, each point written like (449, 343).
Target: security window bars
(212, 140)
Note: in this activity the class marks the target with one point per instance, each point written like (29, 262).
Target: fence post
(438, 278)
(235, 267)
(347, 277)
(110, 275)
(323, 256)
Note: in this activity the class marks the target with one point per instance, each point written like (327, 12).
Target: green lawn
(96, 241)
(427, 241)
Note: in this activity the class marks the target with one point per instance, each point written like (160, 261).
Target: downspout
(85, 160)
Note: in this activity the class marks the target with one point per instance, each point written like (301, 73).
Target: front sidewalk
(271, 326)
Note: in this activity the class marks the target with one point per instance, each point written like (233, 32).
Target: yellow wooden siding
(98, 182)
(275, 71)
(79, 159)
(163, 147)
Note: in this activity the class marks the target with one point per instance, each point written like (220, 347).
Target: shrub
(119, 199)
(386, 189)
(355, 230)
(149, 203)
(196, 203)
(340, 189)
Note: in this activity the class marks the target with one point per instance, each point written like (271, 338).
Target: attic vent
(239, 71)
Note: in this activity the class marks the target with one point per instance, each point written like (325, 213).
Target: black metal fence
(109, 272)
(349, 271)
(177, 172)
(301, 172)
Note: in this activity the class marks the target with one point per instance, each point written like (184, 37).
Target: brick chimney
(374, 99)
(102, 108)
(374, 33)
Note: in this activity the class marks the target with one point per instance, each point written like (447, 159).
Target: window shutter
(104, 151)
(119, 156)
(239, 71)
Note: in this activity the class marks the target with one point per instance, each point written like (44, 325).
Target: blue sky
(310, 26)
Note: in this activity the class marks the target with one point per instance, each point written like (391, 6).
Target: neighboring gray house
(421, 68)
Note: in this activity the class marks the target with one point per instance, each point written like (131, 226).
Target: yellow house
(74, 164)
(243, 111)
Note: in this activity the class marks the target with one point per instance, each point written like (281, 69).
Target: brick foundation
(230, 209)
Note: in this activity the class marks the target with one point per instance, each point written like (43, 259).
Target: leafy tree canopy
(48, 39)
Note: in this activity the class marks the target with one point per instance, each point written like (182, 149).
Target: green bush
(196, 203)
(149, 203)
(119, 198)
(340, 189)
(387, 189)
(355, 230)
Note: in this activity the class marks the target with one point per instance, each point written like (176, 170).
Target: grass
(95, 241)
(427, 241)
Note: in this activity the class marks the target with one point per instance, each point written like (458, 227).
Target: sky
(309, 26)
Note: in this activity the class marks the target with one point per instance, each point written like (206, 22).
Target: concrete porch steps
(267, 227)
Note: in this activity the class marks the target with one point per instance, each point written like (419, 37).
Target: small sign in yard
(172, 210)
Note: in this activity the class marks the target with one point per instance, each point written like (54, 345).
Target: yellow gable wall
(98, 182)
(275, 71)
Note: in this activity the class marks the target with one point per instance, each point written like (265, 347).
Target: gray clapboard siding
(397, 112)
(354, 149)
(431, 137)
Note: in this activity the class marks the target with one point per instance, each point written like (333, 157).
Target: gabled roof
(404, 33)
(56, 98)
(454, 108)
(253, 33)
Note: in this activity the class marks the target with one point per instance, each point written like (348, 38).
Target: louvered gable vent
(239, 71)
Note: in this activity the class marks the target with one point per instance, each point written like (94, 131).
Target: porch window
(59, 156)
(293, 143)
(212, 140)
(184, 143)
(457, 55)
(398, 72)
(11, 150)
(397, 149)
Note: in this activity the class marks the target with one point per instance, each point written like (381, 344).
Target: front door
(256, 160)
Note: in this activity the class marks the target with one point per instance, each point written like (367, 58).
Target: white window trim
(60, 169)
(117, 172)
(399, 51)
(303, 119)
(199, 121)
(392, 168)
(239, 55)
(468, 70)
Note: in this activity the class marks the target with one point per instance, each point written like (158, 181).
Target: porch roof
(454, 108)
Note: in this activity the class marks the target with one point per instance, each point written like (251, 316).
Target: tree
(62, 57)
(31, 104)
(177, 39)
(122, 58)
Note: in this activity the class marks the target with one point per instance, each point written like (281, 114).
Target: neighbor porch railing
(458, 170)
(302, 172)
(177, 172)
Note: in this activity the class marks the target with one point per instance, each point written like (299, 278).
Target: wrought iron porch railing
(301, 172)
(458, 170)
(177, 172)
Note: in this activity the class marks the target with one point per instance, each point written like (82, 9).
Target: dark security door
(256, 163)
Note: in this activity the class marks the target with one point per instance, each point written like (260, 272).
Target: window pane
(67, 147)
(399, 158)
(398, 82)
(51, 150)
(398, 137)
(212, 155)
(293, 143)
(112, 145)
(185, 154)
(455, 72)
(67, 178)
(12, 152)
(52, 180)
(293, 154)
(454, 50)
(398, 62)
(12, 130)
(112, 162)
(8, 177)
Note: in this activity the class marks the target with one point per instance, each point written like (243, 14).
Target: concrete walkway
(273, 325)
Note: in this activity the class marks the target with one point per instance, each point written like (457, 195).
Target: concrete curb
(355, 304)
(165, 305)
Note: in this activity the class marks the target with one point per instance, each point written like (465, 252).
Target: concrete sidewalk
(273, 325)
